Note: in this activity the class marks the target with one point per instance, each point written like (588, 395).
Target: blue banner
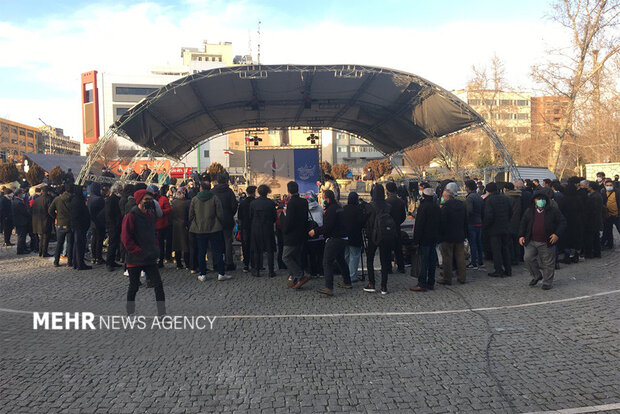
(306, 162)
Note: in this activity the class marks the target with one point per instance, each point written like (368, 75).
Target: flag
(228, 152)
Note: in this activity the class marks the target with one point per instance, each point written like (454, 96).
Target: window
(5, 128)
(523, 102)
(13, 140)
(489, 102)
(506, 116)
(134, 90)
(523, 116)
(205, 153)
(31, 145)
(120, 110)
(237, 143)
(22, 142)
(14, 130)
(22, 132)
(505, 102)
(473, 101)
(30, 134)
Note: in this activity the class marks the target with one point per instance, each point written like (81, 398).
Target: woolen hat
(428, 192)
(139, 195)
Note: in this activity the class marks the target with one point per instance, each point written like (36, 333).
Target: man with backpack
(382, 233)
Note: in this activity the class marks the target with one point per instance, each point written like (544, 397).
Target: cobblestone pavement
(272, 349)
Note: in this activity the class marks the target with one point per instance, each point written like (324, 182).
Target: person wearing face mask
(540, 229)
(611, 200)
(138, 237)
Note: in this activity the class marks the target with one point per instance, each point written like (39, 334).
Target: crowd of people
(193, 224)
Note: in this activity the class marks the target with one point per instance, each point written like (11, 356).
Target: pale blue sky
(47, 44)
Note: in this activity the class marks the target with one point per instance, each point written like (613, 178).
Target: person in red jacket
(161, 223)
(138, 237)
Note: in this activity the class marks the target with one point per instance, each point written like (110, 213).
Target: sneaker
(384, 292)
(224, 277)
(126, 273)
(370, 288)
(300, 283)
(202, 278)
(471, 266)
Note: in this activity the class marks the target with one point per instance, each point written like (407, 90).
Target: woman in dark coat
(263, 218)
(80, 222)
(572, 207)
(180, 228)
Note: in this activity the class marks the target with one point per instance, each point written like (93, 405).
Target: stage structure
(395, 111)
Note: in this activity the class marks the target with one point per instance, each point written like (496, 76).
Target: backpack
(384, 228)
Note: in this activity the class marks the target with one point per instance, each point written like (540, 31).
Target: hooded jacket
(206, 213)
(229, 204)
(60, 209)
(353, 220)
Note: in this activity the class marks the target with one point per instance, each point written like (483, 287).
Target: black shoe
(56, 264)
(47, 255)
(546, 287)
(85, 267)
(246, 269)
(534, 282)
(508, 274)
(496, 274)
(272, 274)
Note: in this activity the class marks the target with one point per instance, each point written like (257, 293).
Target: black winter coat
(42, 222)
(229, 204)
(244, 213)
(353, 217)
(593, 219)
(333, 223)
(113, 216)
(497, 215)
(80, 216)
(180, 225)
(453, 227)
(263, 219)
(474, 205)
(96, 205)
(6, 211)
(295, 222)
(21, 214)
(427, 223)
(398, 209)
(572, 208)
(514, 196)
(554, 223)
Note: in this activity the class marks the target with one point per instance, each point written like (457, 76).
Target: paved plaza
(489, 346)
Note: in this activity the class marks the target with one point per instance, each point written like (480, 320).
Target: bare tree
(569, 72)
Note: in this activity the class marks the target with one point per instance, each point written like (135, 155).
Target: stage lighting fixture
(312, 138)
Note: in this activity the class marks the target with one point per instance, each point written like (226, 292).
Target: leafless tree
(569, 72)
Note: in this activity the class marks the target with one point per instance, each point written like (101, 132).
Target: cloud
(130, 40)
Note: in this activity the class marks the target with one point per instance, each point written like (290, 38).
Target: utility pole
(49, 135)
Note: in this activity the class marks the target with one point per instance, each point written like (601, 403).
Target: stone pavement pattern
(543, 357)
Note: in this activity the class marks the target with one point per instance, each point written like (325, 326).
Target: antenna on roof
(249, 43)
(258, 31)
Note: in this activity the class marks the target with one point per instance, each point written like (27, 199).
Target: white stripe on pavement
(579, 410)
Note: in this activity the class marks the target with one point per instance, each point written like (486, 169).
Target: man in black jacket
(496, 224)
(21, 219)
(60, 209)
(113, 220)
(453, 231)
(229, 205)
(41, 221)
(80, 222)
(245, 227)
(335, 234)
(294, 221)
(398, 211)
(425, 236)
(541, 227)
(96, 205)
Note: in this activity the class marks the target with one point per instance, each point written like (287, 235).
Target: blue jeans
(428, 263)
(475, 244)
(216, 242)
(352, 255)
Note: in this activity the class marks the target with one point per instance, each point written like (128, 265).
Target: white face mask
(599, 179)
(609, 188)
